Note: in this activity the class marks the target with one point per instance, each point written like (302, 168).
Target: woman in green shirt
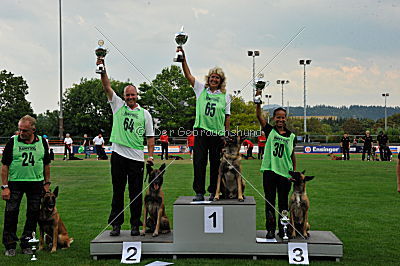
(278, 160)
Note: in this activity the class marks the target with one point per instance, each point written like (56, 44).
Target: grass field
(356, 200)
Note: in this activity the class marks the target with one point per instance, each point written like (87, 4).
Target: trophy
(285, 222)
(33, 242)
(259, 84)
(180, 39)
(101, 53)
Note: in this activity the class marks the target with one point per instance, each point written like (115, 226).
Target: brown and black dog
(230, 183)
(335, 158)
(52, 228)
(299, 204)
(157, 220)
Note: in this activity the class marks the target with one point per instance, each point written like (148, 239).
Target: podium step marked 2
(238, 235)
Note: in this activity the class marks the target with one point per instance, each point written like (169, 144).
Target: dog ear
(55, 192)
(308, 178)
(162, 168)
(304, 171)
(149, 168)
(292, 173)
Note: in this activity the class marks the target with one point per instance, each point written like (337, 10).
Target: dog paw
(53, 250)
(241, 199)
(143, 232)
(216, 198)
(40, 248)
(155, 234)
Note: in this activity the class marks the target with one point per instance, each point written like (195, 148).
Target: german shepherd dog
(52, 228)
(299, 204)
(230, 183)
(157, 220)
(335, 158)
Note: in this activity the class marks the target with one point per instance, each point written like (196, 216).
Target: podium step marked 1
(222, 227)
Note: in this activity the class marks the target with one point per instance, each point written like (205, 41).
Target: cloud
(199, 11)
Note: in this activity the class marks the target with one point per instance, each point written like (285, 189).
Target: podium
(225, 227)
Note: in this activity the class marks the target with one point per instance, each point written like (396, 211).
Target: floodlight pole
(385, 95)
(254, 54)
(268, 97)
(61, 118)
(282, 82)
(304, 63)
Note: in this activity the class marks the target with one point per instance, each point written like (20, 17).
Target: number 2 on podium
(213, 220)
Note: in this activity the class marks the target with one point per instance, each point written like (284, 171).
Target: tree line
(171, 101)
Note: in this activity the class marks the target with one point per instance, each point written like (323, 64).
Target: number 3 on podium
(213, 220)
(298, 253)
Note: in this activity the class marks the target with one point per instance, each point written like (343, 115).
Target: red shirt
(261, 141)
(248, 143)
(164, 138)
(190, 140)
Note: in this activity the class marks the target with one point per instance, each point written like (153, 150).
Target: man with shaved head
(131, 123)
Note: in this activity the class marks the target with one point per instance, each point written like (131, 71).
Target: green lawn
(356, 200)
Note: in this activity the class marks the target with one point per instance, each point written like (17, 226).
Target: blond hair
(30, 119)
(219, 72)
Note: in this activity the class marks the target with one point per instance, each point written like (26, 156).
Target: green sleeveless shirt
(210, 112)
(129, 128)
(277, 154)
(27, 163)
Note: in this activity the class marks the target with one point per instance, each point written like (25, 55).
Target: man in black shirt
(368, 143)
(345, 145)
(382, 142)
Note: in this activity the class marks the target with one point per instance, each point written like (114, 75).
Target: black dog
(175, 157)
(154, 208)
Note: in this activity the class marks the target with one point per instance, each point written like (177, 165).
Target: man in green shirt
(25, 170)
(131, 124)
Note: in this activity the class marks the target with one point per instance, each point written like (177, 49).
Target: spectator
(249, 148)
(345, 145)
(190, 144)
(86, 145)
(398, 173)
(164, 145)
(261, 144)
(99, 144)
(368, 143)
(382, 143)
(67, 146)
(25, 170)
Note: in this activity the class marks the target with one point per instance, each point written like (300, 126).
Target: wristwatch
(4, 187)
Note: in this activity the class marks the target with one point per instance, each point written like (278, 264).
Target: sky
(354, 45)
